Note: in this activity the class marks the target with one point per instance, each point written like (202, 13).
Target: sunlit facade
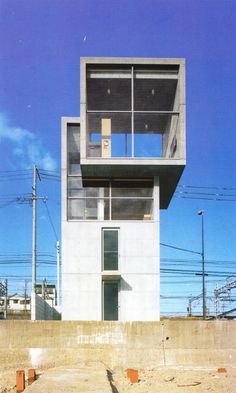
(121, 161)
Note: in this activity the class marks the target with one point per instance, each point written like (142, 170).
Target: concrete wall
(138, 267)
(138, 344)
(42, 309)
(139, 260)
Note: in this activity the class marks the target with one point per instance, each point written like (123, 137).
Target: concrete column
(83, 137)
(156, 216)
(101, 204)
(156, 199)
(33, 306)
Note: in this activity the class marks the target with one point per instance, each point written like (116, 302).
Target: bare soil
(177, 380)
(163, 380)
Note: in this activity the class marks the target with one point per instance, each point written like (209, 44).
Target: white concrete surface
(139, 255)
(138, 267)
(89, 378)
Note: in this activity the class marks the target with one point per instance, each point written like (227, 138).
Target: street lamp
(201, 213)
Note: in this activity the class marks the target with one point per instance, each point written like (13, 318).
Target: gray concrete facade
(169, 167)
(114, 182)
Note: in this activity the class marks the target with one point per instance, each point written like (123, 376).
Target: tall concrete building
(121, 162)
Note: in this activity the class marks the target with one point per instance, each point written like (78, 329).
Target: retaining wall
(41, 309)
(136, 344)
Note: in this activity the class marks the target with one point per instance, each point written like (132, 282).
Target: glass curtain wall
(102, 199)
(108, 200)
(132, 111)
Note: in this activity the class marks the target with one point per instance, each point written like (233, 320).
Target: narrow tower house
(121, 162)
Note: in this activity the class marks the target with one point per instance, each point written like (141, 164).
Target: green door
(110, 301)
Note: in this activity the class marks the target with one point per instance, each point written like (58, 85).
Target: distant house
(15, 303)
(48, 292)
(19, 306)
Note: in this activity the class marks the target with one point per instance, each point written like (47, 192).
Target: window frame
(135, 73)
(111, 229)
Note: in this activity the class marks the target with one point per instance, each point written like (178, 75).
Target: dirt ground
(163, 380)
(176, 380)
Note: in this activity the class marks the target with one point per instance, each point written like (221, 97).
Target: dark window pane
(109, 94)
(110, 300)
(132, 209)
(110, 240)
(132, 192)
(110, 260)
(154, 94)
(110, 250)
(74, 164)
(132, 183)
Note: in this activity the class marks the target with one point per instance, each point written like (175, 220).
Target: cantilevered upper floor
(132, 116)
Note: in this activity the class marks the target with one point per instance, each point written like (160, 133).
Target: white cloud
(14, 134)
(48, 162)
(26, 145)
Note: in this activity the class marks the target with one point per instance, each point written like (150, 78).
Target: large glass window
(110, 249)
(153, 133)
(88, 209)
(109, 134)
(104, 200)
(132, 111)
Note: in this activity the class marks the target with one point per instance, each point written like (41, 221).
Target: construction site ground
(92, 356)
(97, 378)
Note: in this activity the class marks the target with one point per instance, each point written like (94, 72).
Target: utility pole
(201, 213)
(6, 290)
(44, 288)
(33, 199)
(58, 273)
(34, 229)
(25, 295)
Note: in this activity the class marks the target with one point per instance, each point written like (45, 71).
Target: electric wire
(183, 191)
(50, 219)
(180, 249)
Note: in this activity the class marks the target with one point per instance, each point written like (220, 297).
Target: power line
(17, 171)
(194, 272)
(50, 219)
(206, 193)
(180, 249)
(207, 187)
(15, 177)
(7, 203)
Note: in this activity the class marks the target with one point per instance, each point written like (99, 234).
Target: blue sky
(41, 43)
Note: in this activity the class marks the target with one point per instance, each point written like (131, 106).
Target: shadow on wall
(124, 285)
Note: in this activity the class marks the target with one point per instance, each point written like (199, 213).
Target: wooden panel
(106, 138)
